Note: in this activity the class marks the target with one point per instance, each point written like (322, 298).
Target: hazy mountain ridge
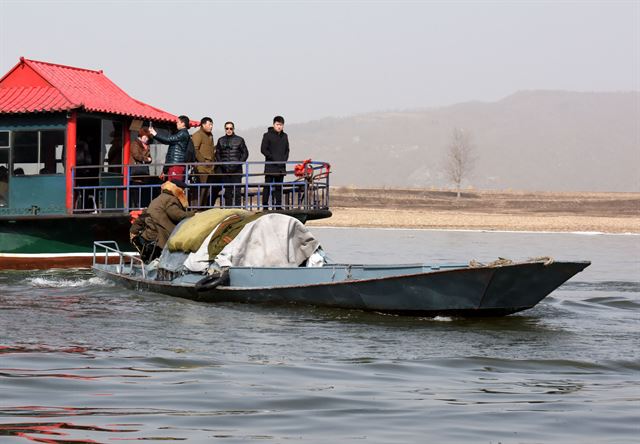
(531, 140)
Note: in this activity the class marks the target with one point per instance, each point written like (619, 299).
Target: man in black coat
(230, 148)
(275, 147)
(178, 146)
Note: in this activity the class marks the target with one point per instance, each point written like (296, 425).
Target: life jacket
(134, 214)
(304, 169)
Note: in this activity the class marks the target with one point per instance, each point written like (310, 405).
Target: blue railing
(98, 189)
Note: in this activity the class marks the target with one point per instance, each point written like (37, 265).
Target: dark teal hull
(405, 290)
(39, 242)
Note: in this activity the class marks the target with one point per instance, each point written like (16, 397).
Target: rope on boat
(501, 262)
(546, 260)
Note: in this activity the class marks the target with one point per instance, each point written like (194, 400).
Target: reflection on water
(84, 361)
(51, 431)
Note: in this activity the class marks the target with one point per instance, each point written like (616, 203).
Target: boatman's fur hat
(176, 187)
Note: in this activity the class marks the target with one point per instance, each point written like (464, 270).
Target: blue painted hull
(418, 290)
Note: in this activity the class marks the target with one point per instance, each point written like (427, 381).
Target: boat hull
(481, 291)
(58, 241)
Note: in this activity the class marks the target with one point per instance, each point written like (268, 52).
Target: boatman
(150, 231)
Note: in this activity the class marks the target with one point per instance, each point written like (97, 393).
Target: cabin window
(38, 152)
(4, 139)
(4, 177)
(112, 145)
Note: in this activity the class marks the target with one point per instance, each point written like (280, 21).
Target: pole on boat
(70, 158)
(126, 151)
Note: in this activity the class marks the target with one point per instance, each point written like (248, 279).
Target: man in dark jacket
(178, 146)
(231, 148)
(275, 147)
(150, 231)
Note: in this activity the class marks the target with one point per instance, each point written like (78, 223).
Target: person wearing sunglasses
(230, 151)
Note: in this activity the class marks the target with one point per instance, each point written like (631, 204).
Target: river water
(84, 361)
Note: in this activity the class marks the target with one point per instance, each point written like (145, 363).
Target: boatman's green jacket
(165, 211)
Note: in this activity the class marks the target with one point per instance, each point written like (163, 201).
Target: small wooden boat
(417, 289)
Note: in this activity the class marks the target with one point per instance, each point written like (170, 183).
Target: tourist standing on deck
(231, 148)
(140, 153)
(204, 152)
(139, 158)
(275, 147)
(177, 152)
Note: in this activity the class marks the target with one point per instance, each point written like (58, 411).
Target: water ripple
(608, 286)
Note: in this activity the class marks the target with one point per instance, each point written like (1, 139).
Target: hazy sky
(247, 61)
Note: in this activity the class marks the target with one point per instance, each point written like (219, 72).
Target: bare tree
(460, 157)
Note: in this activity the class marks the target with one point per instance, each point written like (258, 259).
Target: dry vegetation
(485, 210)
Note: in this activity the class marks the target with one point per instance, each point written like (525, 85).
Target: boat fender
(211, 281)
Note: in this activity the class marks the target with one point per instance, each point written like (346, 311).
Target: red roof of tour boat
(34, 86)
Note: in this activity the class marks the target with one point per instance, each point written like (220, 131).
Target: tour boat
(65, 136)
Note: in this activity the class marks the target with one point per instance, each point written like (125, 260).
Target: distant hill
(534, 140)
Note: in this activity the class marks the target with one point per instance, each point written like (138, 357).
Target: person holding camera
(178, 147)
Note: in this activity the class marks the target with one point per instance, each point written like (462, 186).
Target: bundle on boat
(211, 241)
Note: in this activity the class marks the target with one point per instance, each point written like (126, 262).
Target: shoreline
(424, 218)
(471, 230)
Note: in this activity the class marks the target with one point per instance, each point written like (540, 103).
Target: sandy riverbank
(502, 211)
(393, 218)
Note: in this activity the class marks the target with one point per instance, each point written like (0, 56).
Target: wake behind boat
(275, 260)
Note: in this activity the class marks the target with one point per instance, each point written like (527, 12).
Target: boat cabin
(62, 127)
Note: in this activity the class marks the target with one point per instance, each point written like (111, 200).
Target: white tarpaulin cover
(274, 240)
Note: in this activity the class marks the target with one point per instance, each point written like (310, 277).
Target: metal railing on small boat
(127, 262)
